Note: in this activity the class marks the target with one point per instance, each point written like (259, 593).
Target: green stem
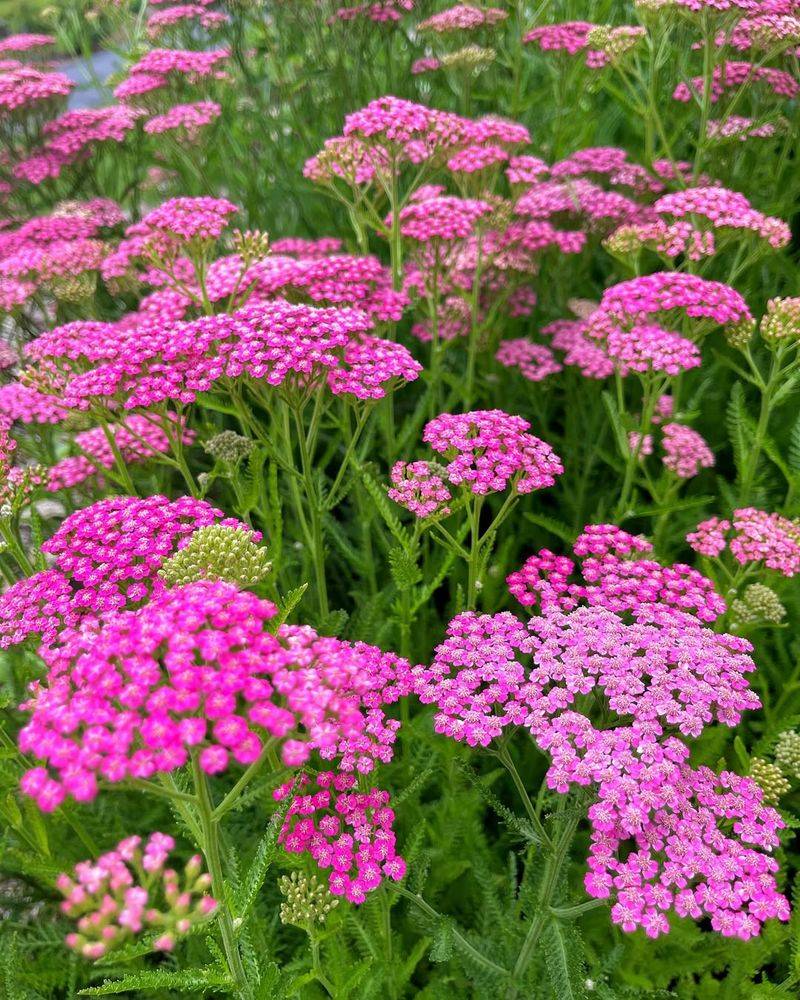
(210, 845)
(551, 878)
(314, 518)
(505, 759)
(474, 552)
(459, 938)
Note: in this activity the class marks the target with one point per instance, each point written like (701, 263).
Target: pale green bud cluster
(769, 778)
(228, 446)
(306, 900)
(218, 552)
(614, 42)
(470, 57)
(74, 288)
(787, 753)
(251, 245)
(740, 334)
(781, 320)
(758, 604)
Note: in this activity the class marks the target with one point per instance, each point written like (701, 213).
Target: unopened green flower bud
(251, 245)
(470, 57)
(218, 552)
(228, 446)
(74, 288)
(787, 753)
(769, 778)
(614, 42)
(758, 603)
(739, 334)
(306, 900)
(781, 320)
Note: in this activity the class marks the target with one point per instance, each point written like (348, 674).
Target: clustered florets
(129, 891)
(196, 670)
(753, 536)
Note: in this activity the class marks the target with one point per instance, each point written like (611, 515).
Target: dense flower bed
(400, 474)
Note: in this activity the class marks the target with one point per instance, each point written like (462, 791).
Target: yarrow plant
(399, 502)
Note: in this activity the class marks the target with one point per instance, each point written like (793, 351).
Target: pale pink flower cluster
(129, 891)
(580, 350)
(741, 128)
(534, 361)
(190, 117)
(343, 829)
(685, 451)
(732, 75)
(182, 14)
(25, 42)
(154, 69)
(753, 536)
(667, 293)
(463, 17)
(489, 450)
(197, 669)
(616, 573)
(420, 487)
(22, 87)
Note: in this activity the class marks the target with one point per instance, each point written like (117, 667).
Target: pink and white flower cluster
(130, 891)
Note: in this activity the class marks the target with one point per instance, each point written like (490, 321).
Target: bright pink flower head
(444, 218)
(487, 450)
(198, 667)
(346, 831)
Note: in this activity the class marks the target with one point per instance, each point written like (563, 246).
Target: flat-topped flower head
(197, 669)
(188, 117)
(420, 487)
(670, 293)
(686, 451)
(462, 17)
(445, 218)
(753, 536)
(489, 450)
(733, 75)
(613, 572)
(534, 361)
(129, 892)
(346, 831)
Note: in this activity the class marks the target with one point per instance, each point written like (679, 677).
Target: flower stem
(210, 846)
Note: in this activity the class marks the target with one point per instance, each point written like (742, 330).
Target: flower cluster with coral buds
(129, 892)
